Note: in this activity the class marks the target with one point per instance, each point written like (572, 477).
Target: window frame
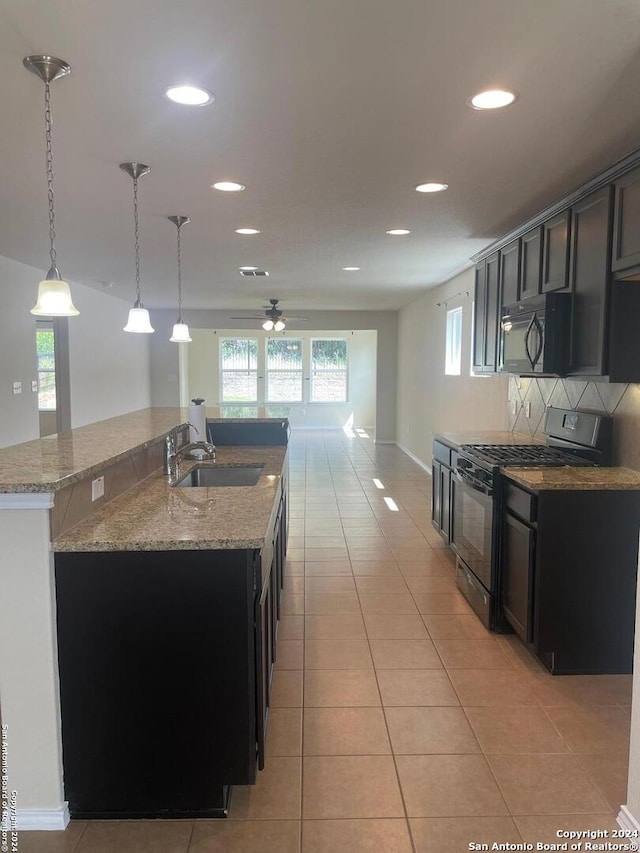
(345, 371)
(453, 342)
(239, 371)
(46, 326)
(275, 370)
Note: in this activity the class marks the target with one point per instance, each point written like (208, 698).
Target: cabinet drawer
(442, 453)
(522, 503)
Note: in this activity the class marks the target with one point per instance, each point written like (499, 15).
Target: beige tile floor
(397, 723)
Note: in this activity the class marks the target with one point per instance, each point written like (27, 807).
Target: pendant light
(180, 334)
(138, 315)
(54, 295)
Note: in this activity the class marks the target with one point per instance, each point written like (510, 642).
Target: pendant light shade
(54, 294)
(278, 326)
(267, 325)
(180, 334)
(138, 321)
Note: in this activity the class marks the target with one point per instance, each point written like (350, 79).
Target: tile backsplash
(620, 401)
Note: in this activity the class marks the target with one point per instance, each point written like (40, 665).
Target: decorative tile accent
(575, 389)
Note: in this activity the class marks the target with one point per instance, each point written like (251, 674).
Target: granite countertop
(574, 479)
(457, 438)
(51, 463)
(154, 516)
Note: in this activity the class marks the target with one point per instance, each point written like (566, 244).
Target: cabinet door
(436, 495)
(264, 659)
(518, 553)
(626, 222)
(590, 263)
(479, 315)
(555, 253)
(510, 273)
(531, 263)
(492, 327)
(445, 502)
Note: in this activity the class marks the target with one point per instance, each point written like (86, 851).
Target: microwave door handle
(540, 332)
(526, 342)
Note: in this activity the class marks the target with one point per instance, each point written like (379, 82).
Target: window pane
(329, 386)
(45, 352)
(46, 391)
(284, 354)
(239, 353)
(328, 355)
(239, 386)
(284, 386)
(453, 342)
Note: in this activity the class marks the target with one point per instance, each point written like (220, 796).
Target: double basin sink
(214, 476)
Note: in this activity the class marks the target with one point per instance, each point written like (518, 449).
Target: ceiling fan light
(54, 299)
(278, 326)
(180, 334)
(267, 325)
(139, 321)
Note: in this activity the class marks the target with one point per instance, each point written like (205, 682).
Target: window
(453, 355)
(328, 371)
(45, 349)
(239, 369)
(284, 370)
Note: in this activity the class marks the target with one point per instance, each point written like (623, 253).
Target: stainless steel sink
(208, 475)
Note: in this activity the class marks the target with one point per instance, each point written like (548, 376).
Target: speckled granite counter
(154, 516)
(574, 479)
(455, 439)
(51, 463)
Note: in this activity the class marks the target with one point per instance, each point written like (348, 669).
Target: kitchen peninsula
(159, 605)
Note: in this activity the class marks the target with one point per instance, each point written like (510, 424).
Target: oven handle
(526, 342)
(484, 490)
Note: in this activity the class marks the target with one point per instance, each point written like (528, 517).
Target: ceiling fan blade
(252, 317)
(301, 319)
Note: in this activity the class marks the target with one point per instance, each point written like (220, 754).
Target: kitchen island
(167, 596)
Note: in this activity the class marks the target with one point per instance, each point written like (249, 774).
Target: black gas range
(573, 438)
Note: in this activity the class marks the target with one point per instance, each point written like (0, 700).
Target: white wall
(429, 401)
(109, 368)
(204, 375)
(165, 359)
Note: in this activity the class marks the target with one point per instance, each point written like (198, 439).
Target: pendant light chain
(48, 128)
(179, 276)
(137, 240)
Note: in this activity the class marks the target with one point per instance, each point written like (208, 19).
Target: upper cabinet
(555, 253)
(626, 223)
(486, 318)
(531, 268)
(510, 272)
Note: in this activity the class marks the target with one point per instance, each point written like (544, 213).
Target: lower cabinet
(443, 465)
(165, 664)
(517, 577)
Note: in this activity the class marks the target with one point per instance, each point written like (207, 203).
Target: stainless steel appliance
(573, 438)
(536, 334)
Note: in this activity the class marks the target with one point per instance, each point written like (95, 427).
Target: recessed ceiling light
(492, 99)
(431, 187)
(398, 232)
(190, 96)
(248, 269)
(350, 269)
(228, 186)
(247, 231)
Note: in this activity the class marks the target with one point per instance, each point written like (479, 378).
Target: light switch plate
(97, 488)
(527, 409)
(17, 387)
(34, 386)
(514, 407)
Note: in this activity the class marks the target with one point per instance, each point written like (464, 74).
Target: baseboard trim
(43, 819)
(415, 458)
(384, 441)
(627, 821)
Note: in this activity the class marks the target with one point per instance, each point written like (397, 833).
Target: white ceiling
(330, 111)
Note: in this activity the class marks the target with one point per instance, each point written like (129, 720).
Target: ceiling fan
(273, 318)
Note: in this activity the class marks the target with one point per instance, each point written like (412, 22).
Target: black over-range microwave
(535, 335)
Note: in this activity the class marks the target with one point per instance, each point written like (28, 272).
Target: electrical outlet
(34, 386)
(527, 409)
(514, 407)
(97, 488)
(17, 387)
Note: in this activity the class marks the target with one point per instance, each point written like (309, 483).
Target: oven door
(472, 526)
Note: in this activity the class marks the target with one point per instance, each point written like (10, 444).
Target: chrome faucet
(173, 456)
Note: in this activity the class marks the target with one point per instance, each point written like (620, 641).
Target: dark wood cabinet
(486, 315)
(590, 258)
(518, 558)
(166, 647)
(555, 253)
(531, 264)
(510, 273)
(442, 470)
(626, 222)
